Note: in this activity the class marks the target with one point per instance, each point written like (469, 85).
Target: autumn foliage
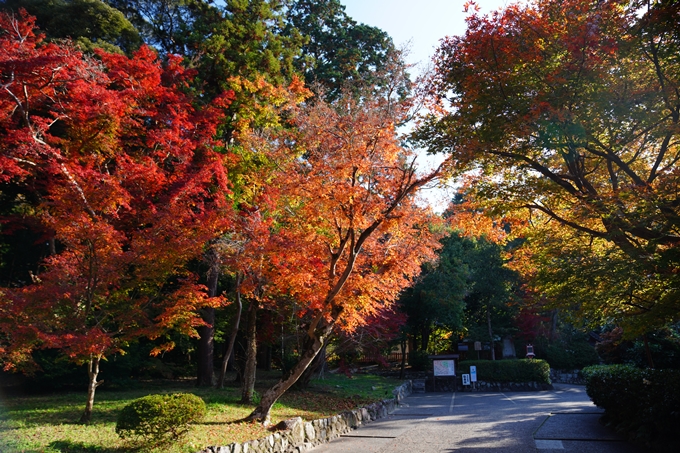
(567, 113)
(348, 232)
(123, 177)
(111, 161)
(363, 234)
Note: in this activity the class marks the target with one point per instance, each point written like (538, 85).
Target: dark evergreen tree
(340, 52)
(90, 23)
(489, 304)
(438, 298)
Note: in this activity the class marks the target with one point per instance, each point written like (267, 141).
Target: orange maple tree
(266, 105)
(125, 181)
(348, 232)
(246, 252)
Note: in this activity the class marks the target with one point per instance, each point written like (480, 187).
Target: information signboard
(466, 379)
(444, 368)
(473, 373)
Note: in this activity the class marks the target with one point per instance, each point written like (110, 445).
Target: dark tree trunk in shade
(206, 345)
(267, 358)
(488, 320)
(315, 367)
(205, 351)
(402, 369)
(425, 338)
(250, 369)
(648, 352)
(92, 372)
(232, 337)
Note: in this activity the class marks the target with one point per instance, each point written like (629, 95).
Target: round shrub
(642, 403)
(159, 417)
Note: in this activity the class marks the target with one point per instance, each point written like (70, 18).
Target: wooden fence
(374, 358)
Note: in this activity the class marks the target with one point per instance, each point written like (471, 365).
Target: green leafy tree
(235, 38)
(165, 24)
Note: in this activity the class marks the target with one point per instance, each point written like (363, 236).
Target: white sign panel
(444, 368)
(473, 373)
(466, 379)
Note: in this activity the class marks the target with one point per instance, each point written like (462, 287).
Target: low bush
(521, 370)
(642, 403)
(157, 418)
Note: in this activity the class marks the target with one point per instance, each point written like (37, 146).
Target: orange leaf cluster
(344, 230)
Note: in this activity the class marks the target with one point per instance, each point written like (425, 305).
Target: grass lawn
(48, 423)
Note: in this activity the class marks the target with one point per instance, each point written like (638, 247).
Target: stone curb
(484, 386)
(302, 436)
(567, 377)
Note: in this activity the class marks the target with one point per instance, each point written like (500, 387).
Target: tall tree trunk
(267, 357)
(92, 372)
(553, 325)
(205, 352)
(316, 365)
(205, 372)
(251, 356)
(425, 338)
(402, 370)
(314, 341)
(648, 352)
(488, 320)
(232, 336)
(238, 360)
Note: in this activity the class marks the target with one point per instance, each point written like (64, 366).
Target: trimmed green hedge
(521, 370)
(642, 403)
(160, 417)
(573, 355)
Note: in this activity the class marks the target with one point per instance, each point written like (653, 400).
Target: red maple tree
(123, 174)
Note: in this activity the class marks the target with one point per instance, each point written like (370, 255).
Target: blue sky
(422, 22)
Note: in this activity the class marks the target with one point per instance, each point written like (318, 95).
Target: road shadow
(67, 446)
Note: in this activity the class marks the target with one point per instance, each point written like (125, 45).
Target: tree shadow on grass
(217, 423)
(62, 414)
(67, 446)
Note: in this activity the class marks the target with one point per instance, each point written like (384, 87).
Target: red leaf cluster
(128, 182)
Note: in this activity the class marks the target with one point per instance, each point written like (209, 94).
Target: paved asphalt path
(560, 420)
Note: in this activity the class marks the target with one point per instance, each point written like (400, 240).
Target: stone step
(419, 386)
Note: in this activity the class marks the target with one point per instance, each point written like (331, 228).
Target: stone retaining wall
(456, 384)
(567, 376)
(483, 386)
(300, 436)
